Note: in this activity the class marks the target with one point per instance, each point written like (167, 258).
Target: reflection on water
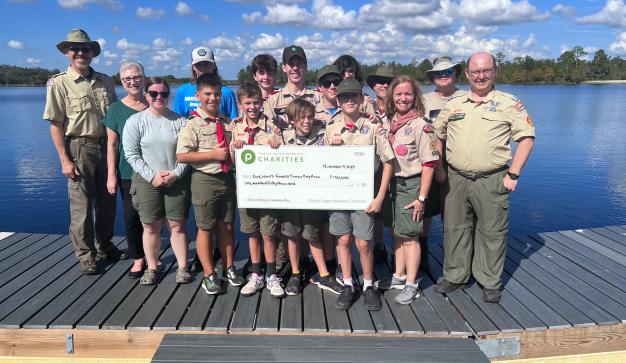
(576, 177)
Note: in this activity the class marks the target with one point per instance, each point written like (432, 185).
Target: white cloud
(619, 45)
(131, 50)
(531, 41)
(183, 9)
(494, 12)
(33, 61)
(251, 18)
(286, 14)
(160, 43)
(115, 29)
(110, 55)
(564, 10)
(149, 13)
(187, 41)
(225, 48)
(384, 8)
(80, 4)
(612, 14)
(15, 44)
(330, 16)
(166, 55)
(102, 42)
(267, 42)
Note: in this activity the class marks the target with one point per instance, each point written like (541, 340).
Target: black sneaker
(212, 285)
(293, 285)
(491, 295)
(329, 283)
(445, 287)
(344, 300)
(380, 252)
(89, 267)
(233, 277)
(372, 299)
(112, 253)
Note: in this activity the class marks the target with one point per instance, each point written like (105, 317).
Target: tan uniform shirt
(276, 104)
(478, 134)
(79, 103)
(316, 136)
(265, 131)
(201, 135)
(364, 132)
(322, 114)
(434, 103)
(414, 144)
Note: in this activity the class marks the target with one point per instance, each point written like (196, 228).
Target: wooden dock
(564, 293)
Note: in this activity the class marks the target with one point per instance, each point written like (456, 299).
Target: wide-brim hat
(78, 36)
(441, 64)
(382, 72)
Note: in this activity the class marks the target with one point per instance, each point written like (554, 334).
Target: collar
(487, 98)
(263, 119)
(204, 115)
(76, 76)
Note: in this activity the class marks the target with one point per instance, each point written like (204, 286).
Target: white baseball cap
(202, 54)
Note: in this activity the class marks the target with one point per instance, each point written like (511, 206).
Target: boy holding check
(254, 128)
(203, 143)
(350, 128)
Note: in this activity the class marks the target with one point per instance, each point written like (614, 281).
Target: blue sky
(161, 34)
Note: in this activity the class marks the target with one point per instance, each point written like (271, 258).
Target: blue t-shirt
(186, 101)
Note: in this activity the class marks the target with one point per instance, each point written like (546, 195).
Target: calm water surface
(576, 176)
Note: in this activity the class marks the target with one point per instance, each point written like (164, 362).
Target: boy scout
(475, 129)
(264, 72)
(203, 143)
(76, 102)
(349, 128)
(328, 78)
(255, 128)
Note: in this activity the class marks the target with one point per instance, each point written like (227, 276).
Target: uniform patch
(519, 106)
(268, 130)
(456, 116)
(402, 150)
(433, 145)
(49, 83)
(529, 121)
(493, 106)
(320, 141)
(408, 131)
(365, 130)
(428, 129)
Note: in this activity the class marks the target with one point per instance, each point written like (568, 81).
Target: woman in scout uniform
(415, 148)
(159, 187)
(119, 171)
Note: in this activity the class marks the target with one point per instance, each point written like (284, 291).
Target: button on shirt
(413, 144)
(78, 102)
(478, 134)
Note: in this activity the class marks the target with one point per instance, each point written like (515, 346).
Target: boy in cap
(351, 128)
(328, 79)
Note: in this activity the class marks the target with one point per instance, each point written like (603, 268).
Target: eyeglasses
(129, 80)
(327, 82)
(486, 72)
(445, 73)
(154, 94)
(77, 49)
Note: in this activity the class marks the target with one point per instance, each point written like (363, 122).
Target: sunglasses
(77, 49)
(327, 82)
(445, 73)
(154, 94)
(381, 80)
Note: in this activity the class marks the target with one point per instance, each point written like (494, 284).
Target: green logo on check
(248, 156)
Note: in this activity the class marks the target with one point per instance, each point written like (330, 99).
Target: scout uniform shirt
(434, 103)
(78, 102)
(478, 134)
(316, 136)
(413, 144)
(259, 135)
(363, 132)
(201, 134)
(323, 114)
(275, 105)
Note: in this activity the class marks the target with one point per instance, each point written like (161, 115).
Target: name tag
(456, 117)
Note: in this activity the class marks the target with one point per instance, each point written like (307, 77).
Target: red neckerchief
(221, 136)
(398, 121)
(251, 134)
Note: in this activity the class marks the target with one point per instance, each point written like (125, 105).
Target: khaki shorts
(259, 220)
(404, 191)
(356, 222)
(305, 222)
(213, 198)
(154, 203)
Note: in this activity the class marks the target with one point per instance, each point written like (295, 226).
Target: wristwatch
(513, 176)
(422, 199)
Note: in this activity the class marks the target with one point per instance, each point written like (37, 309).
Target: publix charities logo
(248, 156)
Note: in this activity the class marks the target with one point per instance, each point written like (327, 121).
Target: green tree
(600, 66)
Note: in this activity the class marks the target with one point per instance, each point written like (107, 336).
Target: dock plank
(222, 310)
(599, 235)
(245, 314)
(574, 245)
(19, 245)
(597, 247)
(9, 238)
(445, 311)
(314, 319)
(198, 312)
(291, 314)
(269, 312)
(616, 234)
(30, 255)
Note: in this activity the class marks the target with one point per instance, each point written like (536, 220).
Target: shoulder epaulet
(453, 97)
(58, 74)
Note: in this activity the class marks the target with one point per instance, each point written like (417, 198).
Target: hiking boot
(183, 276)
(150, 277)
(89, 267)
(380, 252)
(372, 299)
(491, 295)
(273, 285)
(212, 285)
(344, 300)
(112, 253)
(233, 277)
(408, 293)
(329, 283)
(391, 283)
(293, 285)
(255, 283)
(445, 287)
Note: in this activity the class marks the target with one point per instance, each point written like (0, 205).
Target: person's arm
(131, 142)
(220, 153)
(179, 102)
(376, 204)
(68, 168)
(522, 153)
(113, 142)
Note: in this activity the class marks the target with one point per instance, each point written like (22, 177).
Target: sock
(271, 269)
(326, 275)
(347, 282)
(293, 273)
(367, 283)
(256, 268)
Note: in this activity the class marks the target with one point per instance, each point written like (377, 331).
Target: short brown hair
(249, 90)
(156, 80)
(299, 109)
(418, 102)
(264, 62)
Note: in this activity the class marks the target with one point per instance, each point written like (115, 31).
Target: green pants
(89, 198)
(476, 225)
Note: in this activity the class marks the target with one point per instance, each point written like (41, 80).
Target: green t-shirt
(115, 119)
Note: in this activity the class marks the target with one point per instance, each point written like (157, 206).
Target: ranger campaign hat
(293, 51)
(326, 70)
(441, 64)
(202, 54)
(382, 73)
(348, 86)
(78, 36)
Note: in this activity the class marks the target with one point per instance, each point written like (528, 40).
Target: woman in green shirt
(119, 171)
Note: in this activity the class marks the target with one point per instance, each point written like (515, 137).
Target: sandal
(183, 276)
(149, 277)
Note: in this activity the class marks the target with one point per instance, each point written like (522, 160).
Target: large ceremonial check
(305, 177)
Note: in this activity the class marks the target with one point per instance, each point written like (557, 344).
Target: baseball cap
(326, 70)
(202, 54)
(293, 51)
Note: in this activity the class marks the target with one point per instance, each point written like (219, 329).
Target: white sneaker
(254, 284)
(274, 286)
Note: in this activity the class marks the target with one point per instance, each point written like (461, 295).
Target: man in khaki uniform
(475, 129)
(76, 102)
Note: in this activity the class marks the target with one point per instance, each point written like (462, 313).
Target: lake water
(575, 178)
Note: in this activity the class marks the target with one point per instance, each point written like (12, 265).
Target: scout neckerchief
(221, 136)
(251, 131)
(400, 120)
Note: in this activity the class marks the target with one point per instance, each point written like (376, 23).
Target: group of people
(445, 152)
